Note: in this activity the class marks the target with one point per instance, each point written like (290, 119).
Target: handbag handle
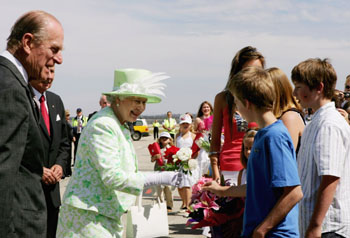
(138, 202)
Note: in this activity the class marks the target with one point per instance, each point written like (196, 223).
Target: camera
(346, 94)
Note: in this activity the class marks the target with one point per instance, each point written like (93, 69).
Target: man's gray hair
(33, 22)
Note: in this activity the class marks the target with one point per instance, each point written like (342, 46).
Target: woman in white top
(184, 139)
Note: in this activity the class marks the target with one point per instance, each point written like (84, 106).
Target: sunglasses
(347, 87)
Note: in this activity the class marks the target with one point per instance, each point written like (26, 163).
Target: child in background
(164, 142)
(247, 145)
(184, 139)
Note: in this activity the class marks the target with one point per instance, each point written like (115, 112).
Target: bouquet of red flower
(209, 210)
(169, 153)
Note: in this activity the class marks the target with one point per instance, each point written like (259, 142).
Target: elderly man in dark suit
(55, 140)
(34, 45)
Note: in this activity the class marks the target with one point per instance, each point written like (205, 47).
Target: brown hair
(200, 113)
(284, 92)
(249, 134)
(33, 22)
(313, 72)
(255, 85)
(243, 56)
(171, 143)
(347, 79)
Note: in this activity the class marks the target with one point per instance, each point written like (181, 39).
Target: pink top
(208, 122)
(231, 149)
(205, 124)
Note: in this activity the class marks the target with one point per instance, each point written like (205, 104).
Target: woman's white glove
(162, 178)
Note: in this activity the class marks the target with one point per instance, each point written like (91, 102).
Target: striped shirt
(325, 150)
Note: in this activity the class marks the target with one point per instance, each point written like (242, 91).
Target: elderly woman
(106, 180)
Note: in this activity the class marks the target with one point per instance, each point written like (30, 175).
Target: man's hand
(48, 176)
(58, 172)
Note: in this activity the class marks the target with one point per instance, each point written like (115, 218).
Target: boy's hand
(214, 187)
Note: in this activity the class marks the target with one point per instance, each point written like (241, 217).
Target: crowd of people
(289, 167)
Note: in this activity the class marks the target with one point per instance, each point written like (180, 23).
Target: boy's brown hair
(312, 72)
(255, 85)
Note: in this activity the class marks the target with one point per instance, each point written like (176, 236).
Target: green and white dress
(105, 181)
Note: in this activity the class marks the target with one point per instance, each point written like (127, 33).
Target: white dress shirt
(325, 150)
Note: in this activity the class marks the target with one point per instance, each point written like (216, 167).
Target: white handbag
(148, 220)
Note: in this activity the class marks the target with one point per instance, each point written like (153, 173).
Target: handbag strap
(138, 202)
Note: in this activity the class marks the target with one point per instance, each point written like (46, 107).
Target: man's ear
(27, 42)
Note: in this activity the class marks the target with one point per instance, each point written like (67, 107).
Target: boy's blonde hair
(312, 72)
(255, 85)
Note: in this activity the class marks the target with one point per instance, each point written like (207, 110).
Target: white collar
(38, 94)
(16, 62)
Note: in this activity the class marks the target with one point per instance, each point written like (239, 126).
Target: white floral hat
(139, 83)
(185, 118)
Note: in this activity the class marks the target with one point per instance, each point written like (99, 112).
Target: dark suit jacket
(56, 145)
(22, 201)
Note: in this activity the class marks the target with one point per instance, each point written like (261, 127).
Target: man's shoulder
(53, 96)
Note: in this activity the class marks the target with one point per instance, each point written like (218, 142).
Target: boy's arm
(226, 191)
(291, 196)
(325, 196)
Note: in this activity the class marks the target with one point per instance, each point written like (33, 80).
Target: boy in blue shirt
(273, 186)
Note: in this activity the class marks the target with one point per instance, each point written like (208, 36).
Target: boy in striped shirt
(324, 156)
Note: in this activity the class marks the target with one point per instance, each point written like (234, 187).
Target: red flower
(168, 154)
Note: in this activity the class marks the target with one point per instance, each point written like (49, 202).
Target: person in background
(247, 146)
(324, 155)
(225, 159)
(164, 142)
(34, 45)
(169, 124)
(70, 140)
(78, 124)
(55, 140)
(103, 103)
(346, 108)
(156, 126)
(273, 186)
(204, 118)
(286, 106)
(184, 139)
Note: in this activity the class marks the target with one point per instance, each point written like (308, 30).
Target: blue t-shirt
(271, 166)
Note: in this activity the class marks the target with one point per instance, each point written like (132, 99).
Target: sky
(191, 41)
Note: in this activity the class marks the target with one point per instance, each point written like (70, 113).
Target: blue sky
(192, 41)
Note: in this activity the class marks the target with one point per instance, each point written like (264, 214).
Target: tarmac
(176, 220)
